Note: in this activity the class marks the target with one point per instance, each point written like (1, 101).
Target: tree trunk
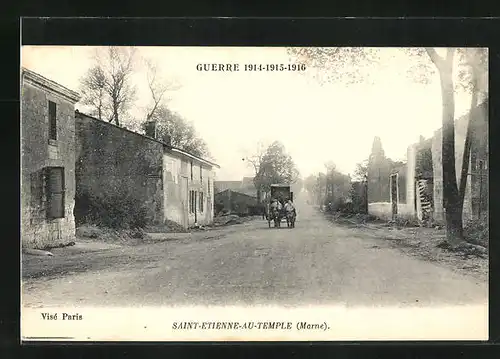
(468, 139)
(451, 199)
(468, 136)
(115, 116)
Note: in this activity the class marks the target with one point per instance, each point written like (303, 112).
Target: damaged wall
(116, 167)
(479, 149)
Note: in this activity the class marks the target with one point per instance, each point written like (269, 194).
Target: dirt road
(318, 262)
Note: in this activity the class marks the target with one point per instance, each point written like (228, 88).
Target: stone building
(149, 179)
(236, 203)
(245, 186)
(386, 185)
(47, 162)
(425, 189)
(476, 192)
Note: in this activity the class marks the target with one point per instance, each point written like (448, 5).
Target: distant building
(386, 185)
(236, 202)
(47, 162)
(165, 182)
(224, 185)
(245, 186)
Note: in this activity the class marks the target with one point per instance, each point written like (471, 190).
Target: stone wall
(39, 152)
(117, 167)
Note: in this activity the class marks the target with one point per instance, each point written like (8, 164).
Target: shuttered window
(52, 121)
(55, 192)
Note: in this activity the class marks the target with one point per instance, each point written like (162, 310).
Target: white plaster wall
(173, 203)
(383, 210)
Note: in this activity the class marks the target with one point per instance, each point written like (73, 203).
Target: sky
(233, 111)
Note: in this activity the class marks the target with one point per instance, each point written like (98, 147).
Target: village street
(315, 263)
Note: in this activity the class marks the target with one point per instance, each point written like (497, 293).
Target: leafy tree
(311, 186)
(276, 167)
(352, 65)
(361, 171)
(177, 131)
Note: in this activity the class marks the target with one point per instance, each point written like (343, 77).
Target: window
(201, 174)
(192, 201)
(208, 187)
(201, 202)
(52, 121)
(191, 170)
(55, 192)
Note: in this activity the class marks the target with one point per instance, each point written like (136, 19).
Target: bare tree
(255, 161)
(158, 87)
(93, 87)
(121, 92)
(107, 85)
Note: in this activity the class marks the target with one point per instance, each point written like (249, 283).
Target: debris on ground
(352, 218)
(198, 227)
(37, 252)
(477, 232)
(227, 220)
(110, 235)
(168, 227)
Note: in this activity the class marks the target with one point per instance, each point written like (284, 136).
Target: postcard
(254, 193)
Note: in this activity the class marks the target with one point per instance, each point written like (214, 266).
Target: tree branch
(435, 58)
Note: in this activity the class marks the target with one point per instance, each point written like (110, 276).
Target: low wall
(383, 210)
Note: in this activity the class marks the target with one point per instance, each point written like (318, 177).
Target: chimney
(150, 129)
(167, 139)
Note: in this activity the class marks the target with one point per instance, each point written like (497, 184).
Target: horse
(290, 219)
(275, 216)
